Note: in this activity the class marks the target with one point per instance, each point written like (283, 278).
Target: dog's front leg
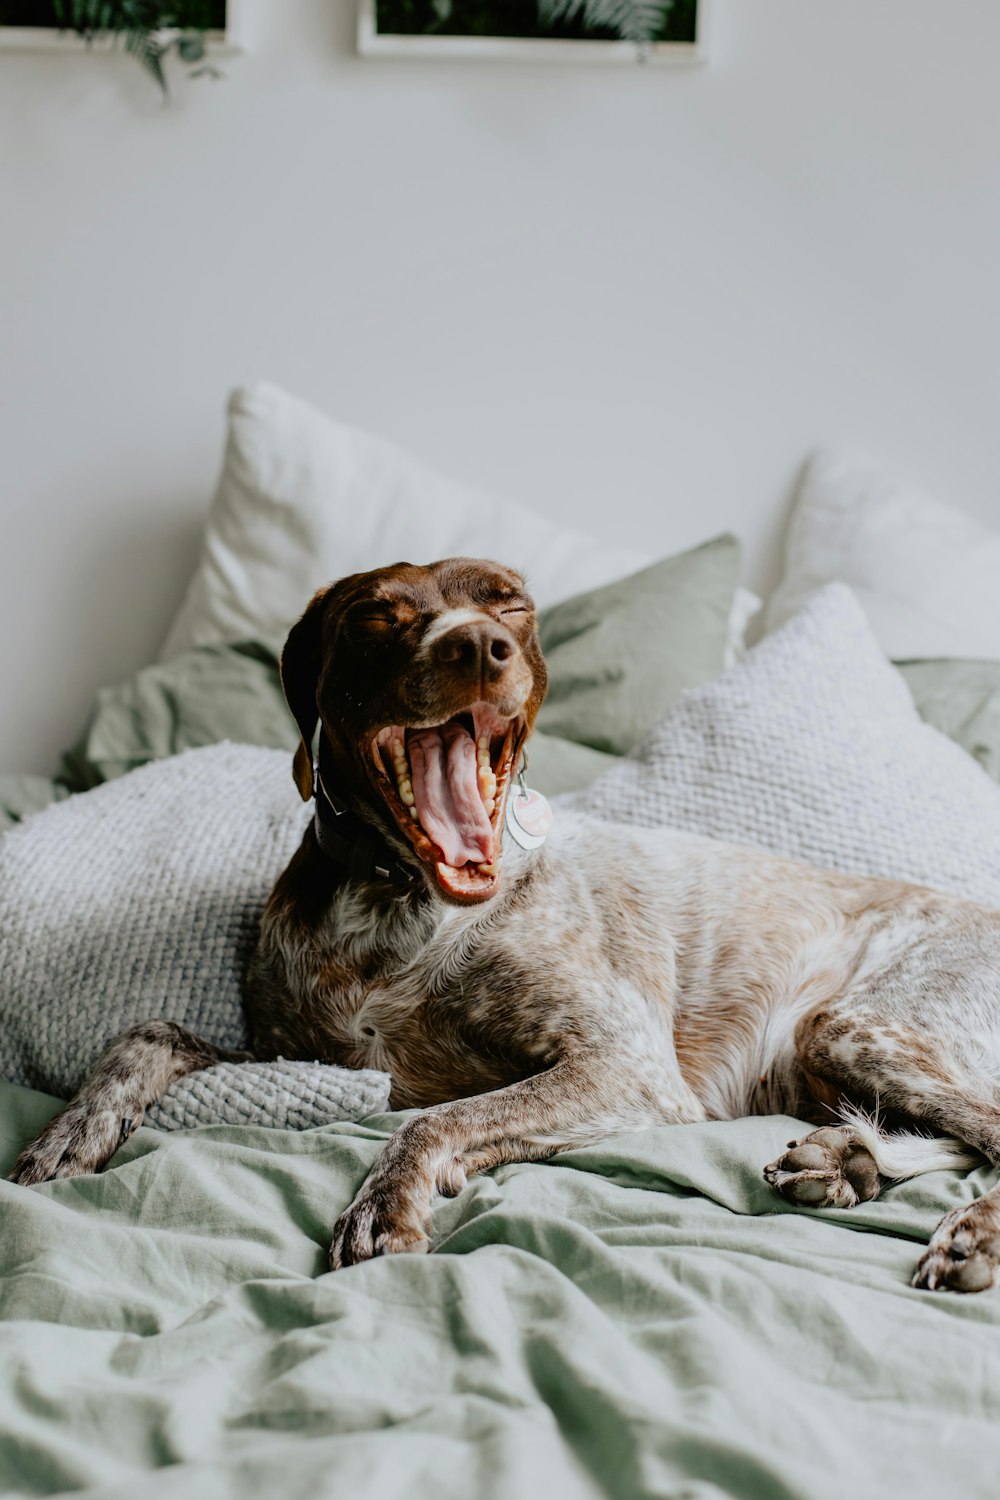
(132, 1074)
(582, 1098)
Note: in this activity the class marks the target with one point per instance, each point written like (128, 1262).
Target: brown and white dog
(529, 1000)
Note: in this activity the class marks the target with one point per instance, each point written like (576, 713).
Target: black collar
(348, 840)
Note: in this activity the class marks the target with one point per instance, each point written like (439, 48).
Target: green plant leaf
(142, 25)
(638, 21)
(148, 50)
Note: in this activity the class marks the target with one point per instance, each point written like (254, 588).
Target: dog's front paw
(78, 1141)
(964, 1251)
(382, 1220)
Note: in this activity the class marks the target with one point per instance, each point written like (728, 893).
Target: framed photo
(591, 31)
(33, 26)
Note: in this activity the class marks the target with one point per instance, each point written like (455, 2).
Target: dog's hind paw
(829, 1169)
(964, 1252)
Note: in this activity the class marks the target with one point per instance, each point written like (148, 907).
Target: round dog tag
(529, 817)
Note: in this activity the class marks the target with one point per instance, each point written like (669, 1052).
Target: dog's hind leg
(924, 1039)
(131, 1075)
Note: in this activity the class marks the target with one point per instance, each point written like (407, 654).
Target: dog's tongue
(446, 788)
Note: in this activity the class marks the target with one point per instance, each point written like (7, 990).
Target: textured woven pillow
(812, 747)
(141, 900)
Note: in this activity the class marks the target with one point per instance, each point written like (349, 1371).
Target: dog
(529, 997)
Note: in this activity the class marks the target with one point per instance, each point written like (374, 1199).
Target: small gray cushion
(283, 1094)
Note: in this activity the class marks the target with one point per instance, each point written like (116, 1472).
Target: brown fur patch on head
(367, 659)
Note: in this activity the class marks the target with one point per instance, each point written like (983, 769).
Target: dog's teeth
(487, 788)
(404, 777)
(488, 869)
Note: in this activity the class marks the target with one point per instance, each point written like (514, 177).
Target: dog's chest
(432, 1016)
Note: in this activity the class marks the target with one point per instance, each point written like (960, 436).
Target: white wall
(636, 297)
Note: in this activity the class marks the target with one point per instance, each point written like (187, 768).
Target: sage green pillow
(618, 657)
(621, 655)
(555, 765)
(198, 697)
(962, 699)
(22, 795)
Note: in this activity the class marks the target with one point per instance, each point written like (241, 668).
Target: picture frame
(221, 41)
(436, 46)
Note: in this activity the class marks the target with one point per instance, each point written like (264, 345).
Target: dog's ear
(301, 661)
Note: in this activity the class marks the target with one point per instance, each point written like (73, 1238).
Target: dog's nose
(480, 648)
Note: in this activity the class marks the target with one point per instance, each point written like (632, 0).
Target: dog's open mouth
(446, 786)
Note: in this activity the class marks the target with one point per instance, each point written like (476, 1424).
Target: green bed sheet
(640, 1319)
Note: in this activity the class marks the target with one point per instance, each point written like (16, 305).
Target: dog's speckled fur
(619, 978)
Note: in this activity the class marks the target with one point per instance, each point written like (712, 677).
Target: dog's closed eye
(382, 617)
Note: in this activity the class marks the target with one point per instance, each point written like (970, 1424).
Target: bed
(642, 1319)
(645, 1318)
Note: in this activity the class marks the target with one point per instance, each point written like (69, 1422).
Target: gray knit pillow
(141, 900)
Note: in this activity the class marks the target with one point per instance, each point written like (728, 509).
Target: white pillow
(812, 748)
(303, 499)
(927, 576)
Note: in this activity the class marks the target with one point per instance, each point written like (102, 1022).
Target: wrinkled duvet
(642, 1319)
